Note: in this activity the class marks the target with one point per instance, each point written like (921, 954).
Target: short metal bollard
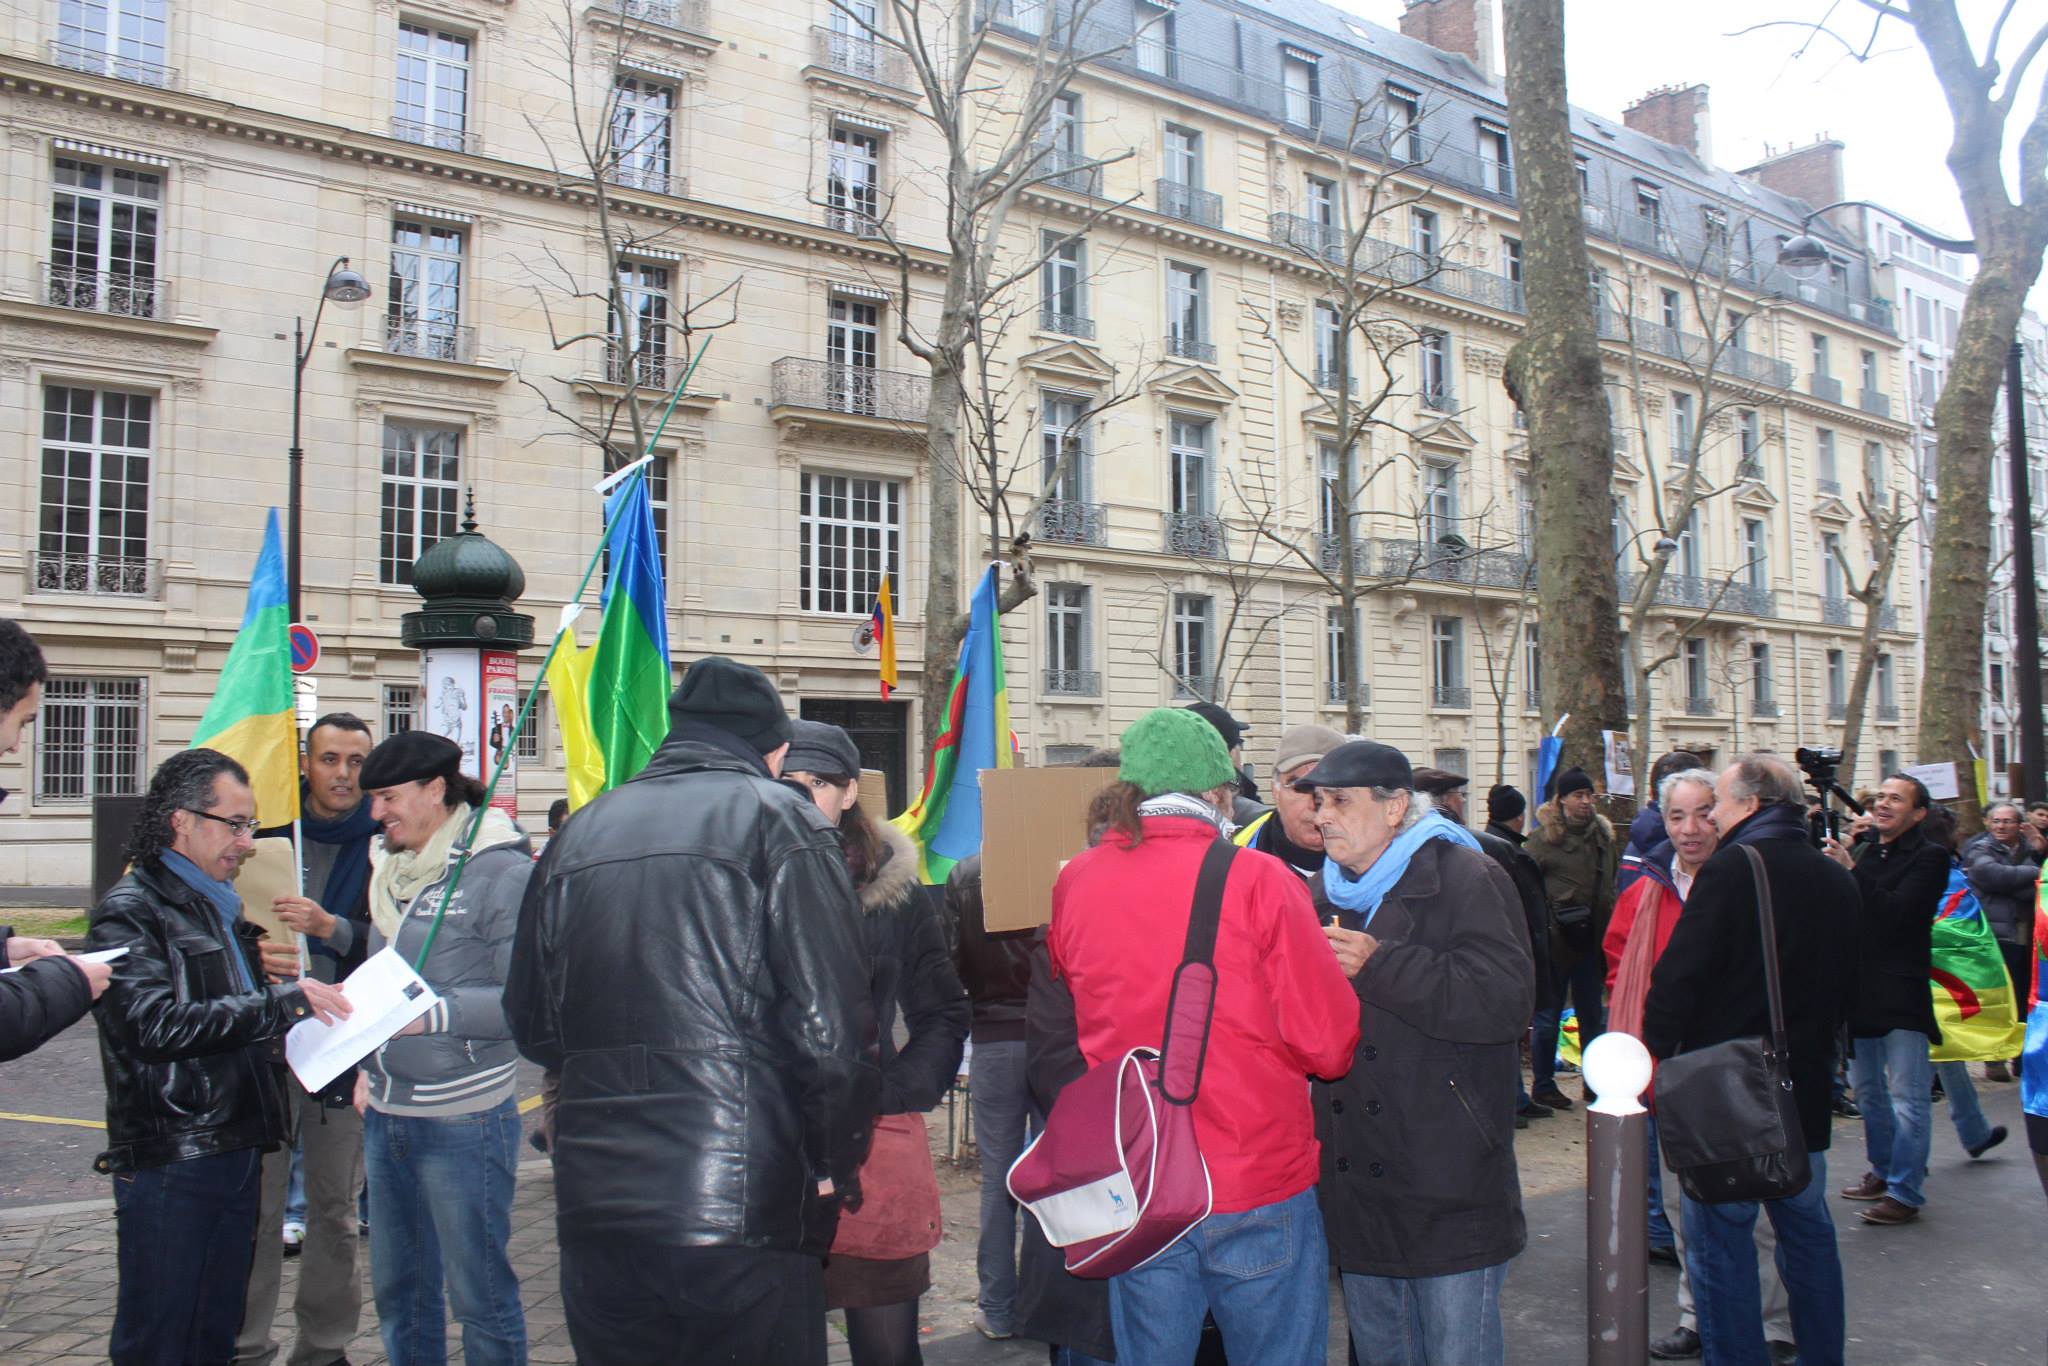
(1617, 1069)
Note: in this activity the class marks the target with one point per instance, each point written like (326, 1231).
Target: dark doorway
(879, 730)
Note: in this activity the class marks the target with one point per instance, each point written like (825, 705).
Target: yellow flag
(569, 681)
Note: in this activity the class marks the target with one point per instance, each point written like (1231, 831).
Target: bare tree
(1886, 517)
(1514, 617)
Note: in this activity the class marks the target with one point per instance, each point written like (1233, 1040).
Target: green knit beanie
(1171, 749)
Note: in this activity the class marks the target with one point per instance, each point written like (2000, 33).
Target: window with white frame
(1187, 327)
(1887, 686)
(1620, 524)
(850, 532)
(1495, 171)
(1194, 618)
(1330, 518)
(1869, 371)
(434, 79)
(1511, 258)
(1834, 582)
(1750, 433)
(1823, 367)
(1525, 515)
(1330, 348)
(1063, 127)
(853, 349)
(1187, 454)
(1738, 330)
(1873, 472)
(1404, 124)
(1838, 679)
(1155, 43)
(1682, 428)
(104, 237)
(1696, 687)
(1301, 87)
(92, 531)
(643, 133)
(1337, 658)
(1435, 351)
(89, 739)
(853, 179)
(1319, 199)
(1761, 689)
(1824, 460)
(1028, 16)
(1756, 553)
(401, 706)
(1181, 161)
(639, 325)
(1453, 760)
(1995, 689)
(423, 307)
(1689, 545)
(1439, 500)
(422, 488)
(527, 744)
(126, 39)
(1671, 312)
(1424, 234)
(1063, 288)
(1532, 661)
(1447, 660)
(1063, 425)
(1649, 202)
(1067, 651)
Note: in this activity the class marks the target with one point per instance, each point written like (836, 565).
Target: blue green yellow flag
(945, 820)
(250, 717)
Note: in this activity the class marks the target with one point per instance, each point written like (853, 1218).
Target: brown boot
(1890, 1211)
(1997, 1071)
(1870, 1187)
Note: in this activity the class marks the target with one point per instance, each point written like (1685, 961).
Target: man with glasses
(191, 1036)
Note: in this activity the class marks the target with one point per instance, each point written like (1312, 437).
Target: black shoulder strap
(1208, 907)
(1196, 973)
(1767, 923)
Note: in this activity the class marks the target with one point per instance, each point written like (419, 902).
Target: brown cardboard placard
(265, 875)
(874, 795)
(1032, 821)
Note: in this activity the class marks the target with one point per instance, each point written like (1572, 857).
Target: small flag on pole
(251, 716)
(884, 629)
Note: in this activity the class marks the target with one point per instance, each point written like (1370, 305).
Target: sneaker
(1991, 1140)
(294, 1237)
(989, 1330)
(1890, 1211)
(1783, 1353)
(1870, 1186)
(1682, 1345)
(1551, 1096)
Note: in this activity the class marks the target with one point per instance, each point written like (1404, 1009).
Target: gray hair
(1684, 775)
(2013, 807)
(1765, 777)
(1420, 804)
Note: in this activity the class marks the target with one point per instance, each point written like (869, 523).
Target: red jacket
(1283, 1007)
(1654, 893)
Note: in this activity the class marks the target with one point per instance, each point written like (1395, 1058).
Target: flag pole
(639, 472)
(299, 882)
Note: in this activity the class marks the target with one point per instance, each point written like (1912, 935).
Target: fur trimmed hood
(896, 879)
(1551, 827)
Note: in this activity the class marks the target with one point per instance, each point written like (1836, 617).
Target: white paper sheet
(387, 995)
(103, 956)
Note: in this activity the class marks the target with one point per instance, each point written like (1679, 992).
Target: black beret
(827, 751)
(1360, 763)
(411, 756)
(1229, 727)
(735, 698)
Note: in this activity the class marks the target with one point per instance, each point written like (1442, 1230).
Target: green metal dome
(469, 583)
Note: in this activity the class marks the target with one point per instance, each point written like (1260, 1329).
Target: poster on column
(501, 722)
(450, 705)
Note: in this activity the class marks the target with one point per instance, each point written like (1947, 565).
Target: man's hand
(327, 1002)
(1352, 947)
(1832, 847)
(303, 915)
(21, 950)
(280, 961)
(1859, 826)
(362, 1097)
(2033, 838)
(97, 975)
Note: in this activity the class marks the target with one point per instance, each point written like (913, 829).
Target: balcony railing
(1756, 368)
(1066, 324)
(1532, 699)
(654, 370)
(1834, 611)
(653, 179)
(100, 62)
(121, 293)
(1831, 487)
(1398, 264)
(798, 382)
(1749, 467)
(434, 135)
(1750, 600)
(1188, 204)
(1330, 553)
(1450, 699)
(1202, 686)
(1067, 169)
(1764, 708)
(429, 340)
(1199, 534)
(1333, 379)
(1887, 618)
(1439, 398)
(1325, 240)
(1073, 682)
(1190, 348)
(1888, 711)
(118, 576)
(858, 222)
(859, 56)
(686, 15)
(1838, 711)
(1873, 402)
(1427, 560)
(1699, 706)
(1073, 523)
(1338, 693)
(1825, 386)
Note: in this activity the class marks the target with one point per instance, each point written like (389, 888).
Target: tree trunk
(1554, 374)
(1859, 697)
(944, 623)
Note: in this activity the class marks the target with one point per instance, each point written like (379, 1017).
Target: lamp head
(1617, 1069)
(345, 286)
(1803, 257)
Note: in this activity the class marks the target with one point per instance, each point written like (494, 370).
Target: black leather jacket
(193, 1066)
(995, 968)
(692, 959)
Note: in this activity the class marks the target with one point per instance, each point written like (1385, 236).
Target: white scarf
(397, 876)
(1181, 804)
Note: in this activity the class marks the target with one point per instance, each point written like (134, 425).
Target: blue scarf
(221, 896)
(348, 879)
(1360, 897)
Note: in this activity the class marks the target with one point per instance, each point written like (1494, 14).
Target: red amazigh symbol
(1966, 999)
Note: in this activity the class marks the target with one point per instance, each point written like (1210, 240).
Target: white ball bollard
(1616, 1068)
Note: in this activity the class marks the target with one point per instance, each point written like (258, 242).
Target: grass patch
(46, 922)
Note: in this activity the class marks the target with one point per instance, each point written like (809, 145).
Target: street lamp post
(346, 287)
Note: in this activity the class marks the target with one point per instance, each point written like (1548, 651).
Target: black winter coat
(2005, 878)
(1902, 884)
(1504, 845)
(38, 1002)
(1418, 1163)
(194, 1066)
(1708, 985)
(913, 975)
(692, 959)
(994, 968)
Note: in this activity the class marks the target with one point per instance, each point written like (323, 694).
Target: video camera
(1820, 763)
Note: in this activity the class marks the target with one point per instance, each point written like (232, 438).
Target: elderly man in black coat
(1708, 988)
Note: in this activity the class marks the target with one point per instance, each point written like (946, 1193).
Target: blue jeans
(184, 1236)
(441, 1209)
(1585, 980)
(1893, 1080)
(1427, 1320)
(1660, 1223)
(1264, 1273)
(996, 1087)
(295, 1187)
(1727, 1301)
(1965, 1111)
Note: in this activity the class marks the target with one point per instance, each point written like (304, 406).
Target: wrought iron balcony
(100, 62)
(119, 576)
(1825, 386)
(434, 135)
(1699, 706)
(1073, 523)
(1428, 560)
(1188, 204)
(1066, 324)
(861, 57)
(1837, 711)
(1764, 708)
(1757, 368)
(1338, 693)
(1450, 699)
(1199, 534)
(1888, 711)
(1875, 403)
(1332, 379)
(1834, 611)
(685, 15)
(798, 382)
(122, 293)
(1325, 240)
(1202, 686)
(1190, 348)
(429, 340)
(1532, 699)
(1073, 682)
(1063, 168)
(1440, 399)
(858, 222)
(655, 180)
(1330, 553)
(1830, 487)
(1887, 618)
(1750, 600)
(650, 369)
(1750, 467)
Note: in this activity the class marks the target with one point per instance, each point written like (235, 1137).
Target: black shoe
(1991, 1140)
(1783, 1353)
(1551, 1096)
(1520, 1122)
(1665, 1255)
(1682, 1345)
(1846, 1108)
(1531, 1110)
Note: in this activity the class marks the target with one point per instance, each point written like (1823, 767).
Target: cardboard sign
(874, 795)
(1939, 778)
(1032, 820)
(264, 876)
(1621, 766)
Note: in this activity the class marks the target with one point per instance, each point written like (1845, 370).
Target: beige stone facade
(171, 207)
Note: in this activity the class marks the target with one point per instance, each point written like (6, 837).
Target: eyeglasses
(241, 825)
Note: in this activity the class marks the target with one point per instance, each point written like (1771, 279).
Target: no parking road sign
(305, 648)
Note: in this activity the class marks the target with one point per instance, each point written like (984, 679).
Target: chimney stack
(1812, 173)
(1676, 114)
(1461, 26)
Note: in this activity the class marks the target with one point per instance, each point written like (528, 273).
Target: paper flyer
(387, 995)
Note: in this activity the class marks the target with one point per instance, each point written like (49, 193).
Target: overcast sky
(1781, 87)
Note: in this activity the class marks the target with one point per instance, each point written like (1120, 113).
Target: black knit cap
(411, 756)
(826, 750)
(1573, 780)
(733, 697)
(1504, 803)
